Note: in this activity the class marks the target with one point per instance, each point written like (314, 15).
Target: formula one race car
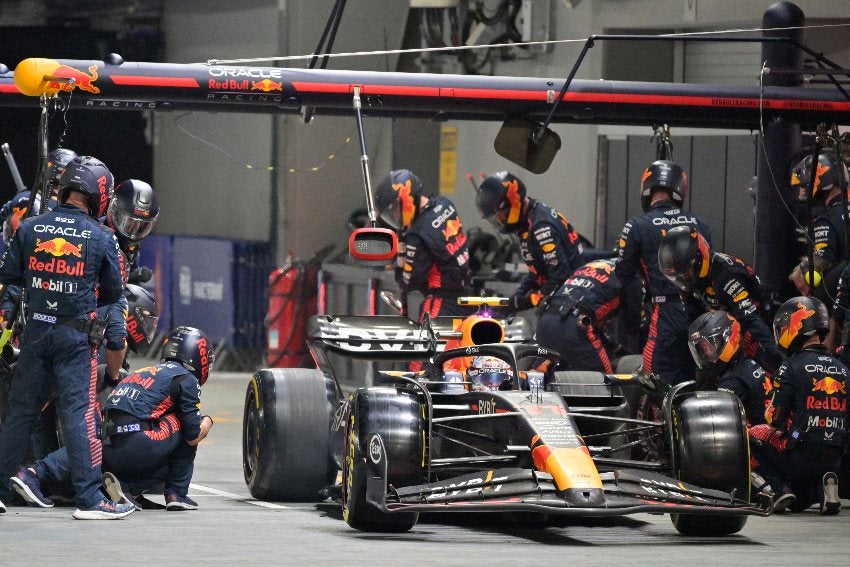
(540, 440)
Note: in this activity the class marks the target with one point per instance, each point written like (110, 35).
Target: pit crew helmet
(142, 317)
(797, 320)
(488, 373)
(190, 347)
(89, 176)
(500, 199)
(826, 175)
(397, 198)
(133, 209)
(714, 339)
(684, 256)
(663, 174)
(57, 160)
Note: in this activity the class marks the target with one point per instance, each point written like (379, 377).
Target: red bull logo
(820, 171)
(408, 207)
(795, 323)
(452, 228)
(59, 247)
(82, 81)
(514, 200)
(828, 385)
(266, 86)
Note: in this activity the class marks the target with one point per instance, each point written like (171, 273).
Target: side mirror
(515, 142)
(373, 246)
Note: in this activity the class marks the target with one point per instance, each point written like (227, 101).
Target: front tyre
(398, 418)
(711, 450)
(286, 435)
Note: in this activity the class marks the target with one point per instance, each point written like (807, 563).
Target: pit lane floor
(231, 528)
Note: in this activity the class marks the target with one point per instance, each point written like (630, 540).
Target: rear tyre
(286, 435)
(399, 420)
(711, 450)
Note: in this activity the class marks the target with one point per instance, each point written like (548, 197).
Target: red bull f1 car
(548, 442)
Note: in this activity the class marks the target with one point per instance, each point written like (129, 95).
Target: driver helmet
(684, 256)
(133, 209)
(714, 339)
(397, 198)
(500, 199)
(142, 317)
(663, 174)
(797, 320)
(488, 373)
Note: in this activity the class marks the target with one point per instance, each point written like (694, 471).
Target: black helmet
(826, 175)
(133, 209)
(189, 346)
(684, 256)
(142, 317)
(714, 339)
(90, 176)
(397, 198)
(500, 199)
(56, 162)
(663, 174)
(797, 320)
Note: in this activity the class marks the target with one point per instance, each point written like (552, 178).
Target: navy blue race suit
(747, 380)
(436, 260)
(733, 286)
(808, 424)
(830, 251)
(66, 263)
(576, 315)
(551, 249)
(149, 418)
(666, 351)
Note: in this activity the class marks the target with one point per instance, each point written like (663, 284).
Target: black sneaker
(25, 482)
(174, 503)
(830, 504)
(783, 501)
(117, 492)
(2, 508)
(104, 510)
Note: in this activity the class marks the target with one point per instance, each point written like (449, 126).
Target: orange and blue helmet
(397, 198)
(797, 320)
(684, 256)
(827, 174)
(500, 200)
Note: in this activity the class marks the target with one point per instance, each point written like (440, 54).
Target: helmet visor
(133, 228)
(499, 220)
(706, 349)
(683, 280)
(147, 320)
(391, 215)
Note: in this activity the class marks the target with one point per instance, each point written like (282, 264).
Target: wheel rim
(250, 437)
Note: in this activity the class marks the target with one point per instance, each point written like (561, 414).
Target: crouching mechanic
(151, 428)
(715, 342)
(799, 449)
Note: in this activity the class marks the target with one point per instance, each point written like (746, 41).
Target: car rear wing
(373, 337)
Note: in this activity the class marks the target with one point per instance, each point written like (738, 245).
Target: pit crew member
(664, 187)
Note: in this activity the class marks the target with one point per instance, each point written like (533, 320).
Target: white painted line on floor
(238, 498)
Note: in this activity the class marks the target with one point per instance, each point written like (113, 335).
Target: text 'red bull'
(57, 266)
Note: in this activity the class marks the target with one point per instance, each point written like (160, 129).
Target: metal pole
(774, 236)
